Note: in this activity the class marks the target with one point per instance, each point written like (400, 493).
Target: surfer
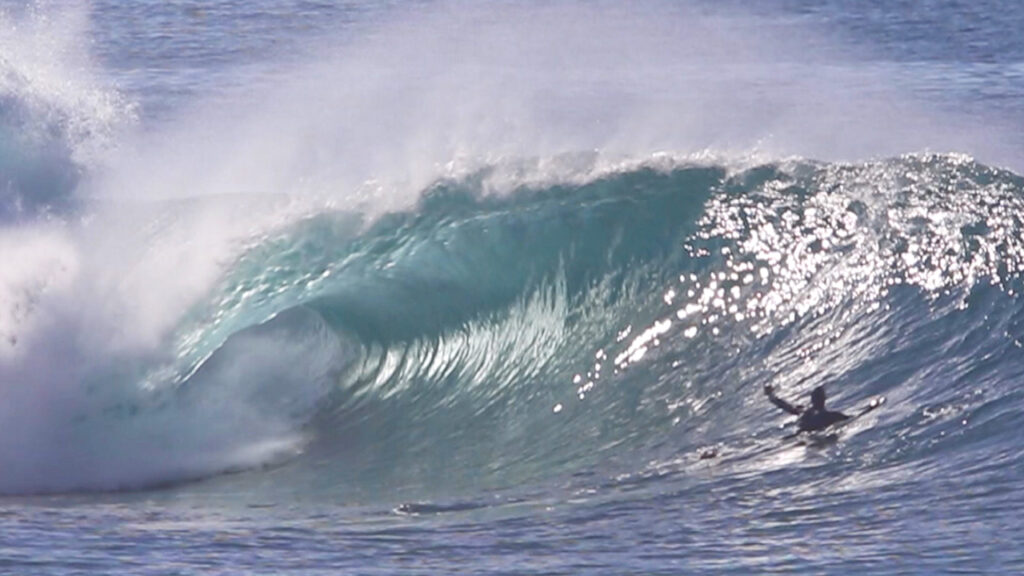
(812, 419)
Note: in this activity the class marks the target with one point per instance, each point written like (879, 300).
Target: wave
(185, 307)
(640, 313)
(626, 317)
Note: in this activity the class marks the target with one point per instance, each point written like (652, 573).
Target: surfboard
(808, 439)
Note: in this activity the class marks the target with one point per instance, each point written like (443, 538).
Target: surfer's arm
(782, 404)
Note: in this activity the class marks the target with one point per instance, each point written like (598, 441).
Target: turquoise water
(420, 288)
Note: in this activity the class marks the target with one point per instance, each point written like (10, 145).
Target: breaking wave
(628, 316)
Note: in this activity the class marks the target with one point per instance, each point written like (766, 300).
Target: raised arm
(782, 404)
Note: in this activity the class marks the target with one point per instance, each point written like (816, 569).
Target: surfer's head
(818, 397)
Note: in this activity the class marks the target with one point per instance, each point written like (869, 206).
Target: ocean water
(494, 288)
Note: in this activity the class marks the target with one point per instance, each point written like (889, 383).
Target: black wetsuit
(811, 419)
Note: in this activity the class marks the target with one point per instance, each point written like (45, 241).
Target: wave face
(620, 320)
(635, 316)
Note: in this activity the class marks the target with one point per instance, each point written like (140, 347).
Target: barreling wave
(617, 320)
(561, 325)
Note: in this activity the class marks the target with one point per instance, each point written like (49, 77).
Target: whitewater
(495, 288)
